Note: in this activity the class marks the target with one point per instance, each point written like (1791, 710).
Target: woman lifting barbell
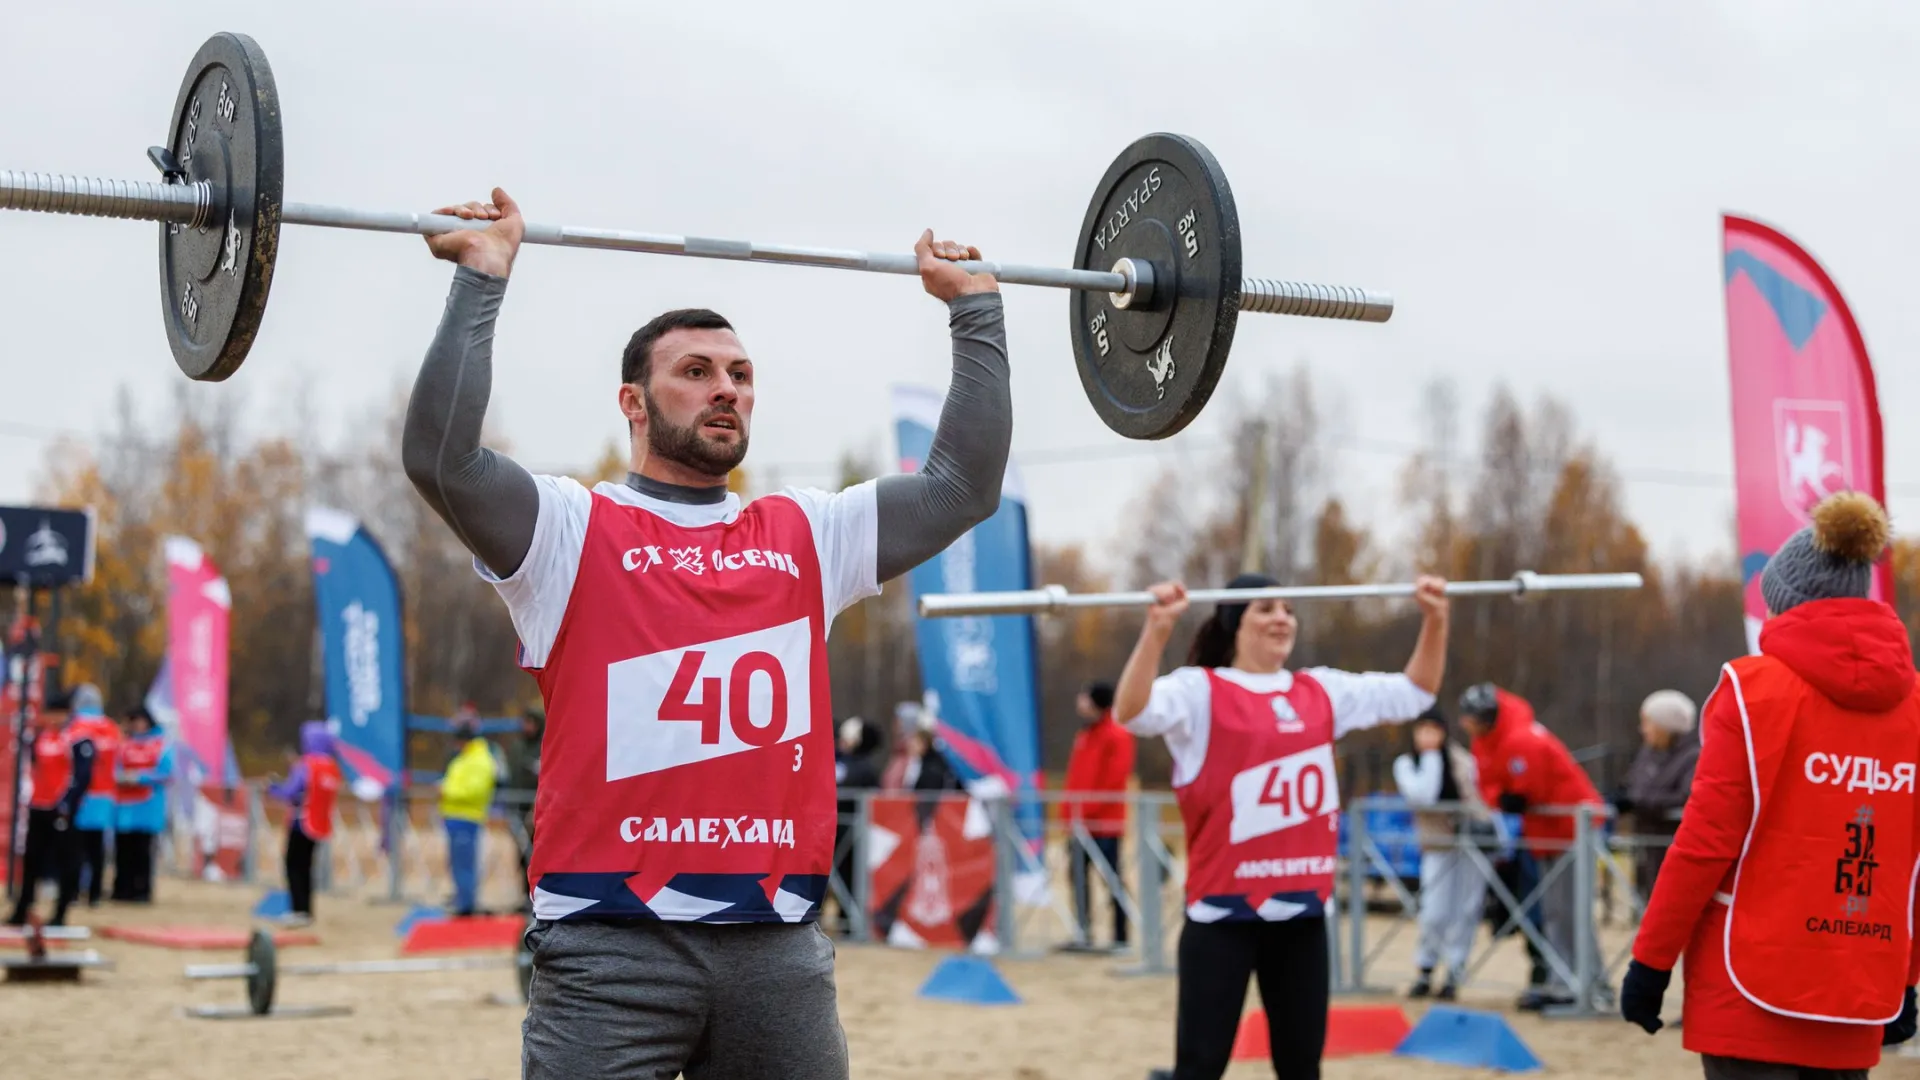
(1253, 772)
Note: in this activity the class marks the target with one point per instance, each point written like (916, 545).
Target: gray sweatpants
(1559, 907)
(647, 1000)
(1452, 895)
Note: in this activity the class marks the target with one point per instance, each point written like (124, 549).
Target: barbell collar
(191, 205)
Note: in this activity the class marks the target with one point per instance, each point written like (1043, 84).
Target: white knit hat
(1669, 710)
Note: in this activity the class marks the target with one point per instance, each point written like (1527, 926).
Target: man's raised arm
(958, 486)
(491, 502)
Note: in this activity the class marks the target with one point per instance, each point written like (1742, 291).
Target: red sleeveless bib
(324, 781)
(1818, 924)
(687, 767)
(1263, 814)
(138, 755)
(52, 768)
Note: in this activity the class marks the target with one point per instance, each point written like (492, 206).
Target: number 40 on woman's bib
(705, 701)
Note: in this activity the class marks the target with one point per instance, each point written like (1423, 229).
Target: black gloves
(1906, 1026)
(1641, 993)
(1512, 803)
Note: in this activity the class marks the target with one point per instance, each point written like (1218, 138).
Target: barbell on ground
(1157, 285)
(9, 934)
(262, 970)
(1054, 599)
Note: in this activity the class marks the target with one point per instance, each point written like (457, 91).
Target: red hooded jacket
(1854, 657)
(1521, 757)
(1102, 761)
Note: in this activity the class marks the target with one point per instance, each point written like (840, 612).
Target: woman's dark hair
(1449, 783)
(1213, 643)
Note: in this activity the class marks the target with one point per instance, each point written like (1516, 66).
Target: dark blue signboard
(42, 546)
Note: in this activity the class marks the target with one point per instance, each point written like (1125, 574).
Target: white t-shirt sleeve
(537, 593)
(846, 537)
(1177, 710)
(1364, 701)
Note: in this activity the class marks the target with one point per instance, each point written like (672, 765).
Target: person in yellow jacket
(466, 795)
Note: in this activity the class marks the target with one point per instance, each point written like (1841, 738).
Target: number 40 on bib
(708, 700)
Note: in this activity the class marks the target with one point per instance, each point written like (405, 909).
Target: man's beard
(687, 446)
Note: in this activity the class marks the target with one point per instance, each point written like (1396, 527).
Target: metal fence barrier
(1000, 875)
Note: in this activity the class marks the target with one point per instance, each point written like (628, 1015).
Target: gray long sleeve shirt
(493, 504)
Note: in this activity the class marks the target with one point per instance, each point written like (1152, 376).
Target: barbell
(1053, 599)
(1156, 280)
(261, 969)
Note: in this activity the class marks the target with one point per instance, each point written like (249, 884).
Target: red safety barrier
(1351, 1031)
(477, 932)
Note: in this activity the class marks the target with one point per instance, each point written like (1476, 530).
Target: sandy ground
(1080, 1020)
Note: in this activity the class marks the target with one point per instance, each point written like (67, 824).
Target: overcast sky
(1538, 184)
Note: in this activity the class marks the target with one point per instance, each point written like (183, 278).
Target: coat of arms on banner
(1813, 446)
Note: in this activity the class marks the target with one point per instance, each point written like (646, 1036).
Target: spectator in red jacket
(1525, 769)
(1789, 886)
(1101, 762)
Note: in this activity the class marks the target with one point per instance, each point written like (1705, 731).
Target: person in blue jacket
(144, 766)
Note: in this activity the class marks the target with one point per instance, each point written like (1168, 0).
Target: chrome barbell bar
(354, 967)
(1053, 599)
(190, 204)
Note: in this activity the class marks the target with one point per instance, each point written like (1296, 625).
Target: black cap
(1480, 700)
(1100, 693)
(60, 700)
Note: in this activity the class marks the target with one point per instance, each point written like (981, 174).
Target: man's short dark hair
(1100, 693)
(636, 362)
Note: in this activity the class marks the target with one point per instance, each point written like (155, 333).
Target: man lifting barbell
(679, 639)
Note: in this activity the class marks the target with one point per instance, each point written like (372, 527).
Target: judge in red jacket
(1525, 769)
(1789, 886)
(1101, 763)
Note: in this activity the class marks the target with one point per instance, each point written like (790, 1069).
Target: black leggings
(299, 871)
(93, 858)
(133, 866)
(1290, 960)
(51, 852)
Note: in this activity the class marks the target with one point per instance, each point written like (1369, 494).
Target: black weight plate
(214, 278)
(1150, 371)
(260, 984)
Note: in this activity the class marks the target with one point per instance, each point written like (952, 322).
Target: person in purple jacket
(309, 789)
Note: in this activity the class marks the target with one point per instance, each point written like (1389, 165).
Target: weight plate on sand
(1150, 369)
(260, 983)
(214, 277)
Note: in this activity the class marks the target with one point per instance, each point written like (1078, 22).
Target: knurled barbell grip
(1314, 301)
(140, 200)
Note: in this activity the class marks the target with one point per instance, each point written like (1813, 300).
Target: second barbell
(262, 970)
